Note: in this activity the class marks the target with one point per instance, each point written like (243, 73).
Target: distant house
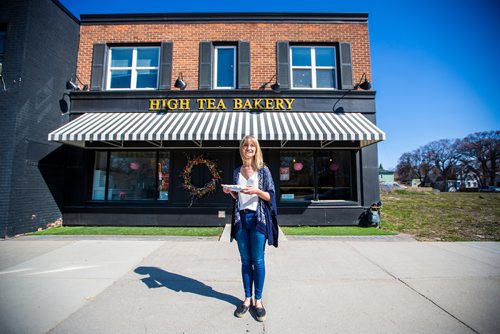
(385, 175)
(415, 182)
(467, 179)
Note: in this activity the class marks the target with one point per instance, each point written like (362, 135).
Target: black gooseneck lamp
(363, 84)
(180, 83)
(275, 87)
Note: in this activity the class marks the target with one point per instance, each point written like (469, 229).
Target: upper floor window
(3, 39)
(313, 67)
(133, 68)
(225, 67)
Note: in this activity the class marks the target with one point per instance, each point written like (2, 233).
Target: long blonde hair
(258, 159)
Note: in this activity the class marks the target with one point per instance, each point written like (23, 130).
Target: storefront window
(164, 175)
(99, 184)
(296, 175)
(334, 175)
(132, 176)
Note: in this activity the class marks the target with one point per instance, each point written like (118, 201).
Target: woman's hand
(227, 191)
(251, 190)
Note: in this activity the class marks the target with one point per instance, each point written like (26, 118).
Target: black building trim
(90, 19)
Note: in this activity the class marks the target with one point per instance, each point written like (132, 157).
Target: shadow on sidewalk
(159, 278)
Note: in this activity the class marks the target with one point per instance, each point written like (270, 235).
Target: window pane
(325, 79)
(147, 57)
(99, 184)
(121, 57)
(302, 78)
(325, 57)
(3, 36)
(225, 67)
(132, 176)
(164, 175)
(120, 78)
(296, 175)
(301, 56)
(334, 175)
(147, 78)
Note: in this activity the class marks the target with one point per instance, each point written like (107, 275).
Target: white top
(248, 201)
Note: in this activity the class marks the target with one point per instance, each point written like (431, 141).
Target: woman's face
(248, 150)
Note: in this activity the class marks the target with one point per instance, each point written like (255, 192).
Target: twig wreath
(197, 192)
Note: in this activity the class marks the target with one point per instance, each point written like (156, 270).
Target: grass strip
(333, 230)
(431, 216)
(132, 230)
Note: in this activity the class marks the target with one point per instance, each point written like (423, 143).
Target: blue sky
(435, 64)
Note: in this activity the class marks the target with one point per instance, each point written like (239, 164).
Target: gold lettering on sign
(154, 104)
(237, 104)
(269, 104)
(168, 104)
(201, 103)
(184, 104)
(279, 104)
(211, 104)
(289, 103)
(219, 104)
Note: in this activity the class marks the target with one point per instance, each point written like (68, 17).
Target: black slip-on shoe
(241, 311)
(260, 313)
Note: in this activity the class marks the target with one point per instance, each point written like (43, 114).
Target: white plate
(233, 187)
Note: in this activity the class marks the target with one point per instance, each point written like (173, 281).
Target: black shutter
(346, 66)
(205, 72)
(244, 65)
(283, 64)
(165, 65)
(98, 67)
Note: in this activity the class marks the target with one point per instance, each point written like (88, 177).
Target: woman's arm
(227, 191)
(251, 190)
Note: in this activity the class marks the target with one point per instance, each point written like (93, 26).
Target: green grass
(333, 230)
(442, 216)
(125, 230)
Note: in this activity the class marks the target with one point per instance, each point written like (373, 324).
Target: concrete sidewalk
(193, 285)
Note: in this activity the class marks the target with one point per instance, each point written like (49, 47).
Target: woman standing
(253, 221)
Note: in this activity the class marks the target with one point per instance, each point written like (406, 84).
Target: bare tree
(481, 152)
(415, 164)
(444, 156)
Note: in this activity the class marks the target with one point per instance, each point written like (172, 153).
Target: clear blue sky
(435, 63)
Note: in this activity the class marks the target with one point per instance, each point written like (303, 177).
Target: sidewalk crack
(412, 288)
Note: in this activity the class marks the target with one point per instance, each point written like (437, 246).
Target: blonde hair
(257, 159)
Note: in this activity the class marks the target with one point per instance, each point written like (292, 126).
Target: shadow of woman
(158, 278)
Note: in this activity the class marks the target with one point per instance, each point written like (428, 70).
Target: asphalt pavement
(193, 285)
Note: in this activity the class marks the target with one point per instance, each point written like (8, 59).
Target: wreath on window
(197, 192)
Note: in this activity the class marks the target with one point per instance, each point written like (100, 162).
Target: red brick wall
(262, 36)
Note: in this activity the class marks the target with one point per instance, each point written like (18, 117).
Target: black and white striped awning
(202, 126)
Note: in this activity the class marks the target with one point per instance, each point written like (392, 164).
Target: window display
(334, 175)
(296, 175)
(132, 176)
(163, 175)
(316, 175)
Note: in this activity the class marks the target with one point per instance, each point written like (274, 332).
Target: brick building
(38, 53)
(164, 89)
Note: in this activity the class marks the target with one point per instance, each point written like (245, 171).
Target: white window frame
(216, 53)
(313, 67)
(134, 68)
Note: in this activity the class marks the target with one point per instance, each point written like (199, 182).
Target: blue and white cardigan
(267, 222)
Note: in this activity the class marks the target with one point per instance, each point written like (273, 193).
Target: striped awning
(201, 126)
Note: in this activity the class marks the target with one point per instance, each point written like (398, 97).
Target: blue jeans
(251, 244)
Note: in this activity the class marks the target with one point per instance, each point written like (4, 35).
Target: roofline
(66, 11)
(90, 19)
